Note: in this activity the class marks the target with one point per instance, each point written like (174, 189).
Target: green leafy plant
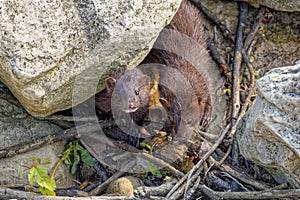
(38, 174)
(152, 170)
(74, 154)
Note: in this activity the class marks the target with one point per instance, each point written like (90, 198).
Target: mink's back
(184, 49)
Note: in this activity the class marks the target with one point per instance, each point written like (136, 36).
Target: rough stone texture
(275, 44)
(282, 5)
(44, 45)
(17, 127)
(269, 134)
(11, 166)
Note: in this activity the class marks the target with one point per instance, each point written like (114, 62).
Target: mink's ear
(110, 83)
(144, 81)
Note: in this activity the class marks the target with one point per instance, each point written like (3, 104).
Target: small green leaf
(87, 158)
(76, 159)
(147, 146)
(154, 170)
(38, 174)
(73, 169)
(45, 191)
(68, 161)
(75, 163)
(76, 153)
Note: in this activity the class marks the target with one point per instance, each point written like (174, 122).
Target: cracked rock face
(269, 134)
(46, 46)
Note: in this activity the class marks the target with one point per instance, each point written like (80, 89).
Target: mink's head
(130, 92)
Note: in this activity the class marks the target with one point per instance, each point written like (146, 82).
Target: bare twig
(220, 60)
(191, 191)
(254, 28)
(235, 108)
(225, 156)
(236, 181)
(63, 118)
(162, 164)
(6, 193)
(238, 60)
(49, 139)
(199, 164)
(268, 194)
(144, 191)
(242, 177)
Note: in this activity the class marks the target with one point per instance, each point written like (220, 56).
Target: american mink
(137, 91)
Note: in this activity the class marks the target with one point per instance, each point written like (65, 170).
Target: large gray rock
(44, 45)
(16, 128)
(286, 5)
(269, 134)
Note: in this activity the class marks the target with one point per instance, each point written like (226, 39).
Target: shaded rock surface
(282, 5)
(16, 128)
(45, 45)
(269, 134)
(11, 166)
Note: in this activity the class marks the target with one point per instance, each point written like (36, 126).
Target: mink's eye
(137, 92)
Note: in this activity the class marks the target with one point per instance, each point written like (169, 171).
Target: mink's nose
(130, 105)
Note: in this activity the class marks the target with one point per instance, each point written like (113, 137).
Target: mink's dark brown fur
(181, 46)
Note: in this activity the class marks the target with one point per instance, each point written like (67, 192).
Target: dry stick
(269, 194)
(116, 175)
(199, 164)
(49, 139)
(177, 193)
(244, 178)
(162, 164)
(194, 188)
(6, 193)
(238, 60)
(235, 109)
(161, 190)
(139, 153)
(64, 118)
(205, 157)
(219, 59)
(157, 161)
(250, 89)
(257, 23)
(225, 156)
